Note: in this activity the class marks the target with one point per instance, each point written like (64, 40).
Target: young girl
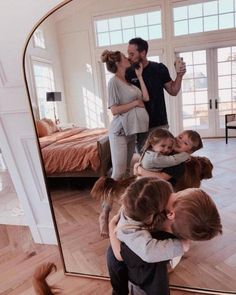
(157, 149)
(143, 210)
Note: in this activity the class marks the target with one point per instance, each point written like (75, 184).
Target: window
(119, 30)
(39, 40)
(226, 61)
(44, 82)
(204, 17)
(195, 90)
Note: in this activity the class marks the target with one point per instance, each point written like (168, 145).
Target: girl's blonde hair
(196, 216)
(156, 136)
(111, 58)
(145, 200)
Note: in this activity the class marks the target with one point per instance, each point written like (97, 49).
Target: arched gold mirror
(67, 86)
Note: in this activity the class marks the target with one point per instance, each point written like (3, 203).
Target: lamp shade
(53, 96)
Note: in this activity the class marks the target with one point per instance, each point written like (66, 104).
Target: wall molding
(3, 78)
(27, 143)
(14, 112)
(5, 83)
(16, 84)
(48, 234)
(17, 179)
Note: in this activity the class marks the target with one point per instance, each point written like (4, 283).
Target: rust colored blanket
(71, 150)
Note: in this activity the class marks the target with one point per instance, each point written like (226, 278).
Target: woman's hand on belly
(140, 103)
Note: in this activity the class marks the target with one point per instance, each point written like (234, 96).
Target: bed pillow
(43, 128)
(53, 127)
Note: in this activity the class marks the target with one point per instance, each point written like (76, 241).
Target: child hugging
(143, 210)
(183, 175)
(162, 151)
(157, 151)
(151, 219)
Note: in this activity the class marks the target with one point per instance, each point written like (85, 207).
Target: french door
(208, 89)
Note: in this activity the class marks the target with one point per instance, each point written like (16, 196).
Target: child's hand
(136, 167)
(115, 243)
(113, 222)
(189, 159)
(185, 245)
(187, 156)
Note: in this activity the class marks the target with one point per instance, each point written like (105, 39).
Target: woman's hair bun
(105, 56)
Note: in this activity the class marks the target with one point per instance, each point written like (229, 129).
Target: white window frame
(108, 16)
(48, 105)
(189, 3)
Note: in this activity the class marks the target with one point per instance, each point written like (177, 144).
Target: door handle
(216, 104)
(210, 103)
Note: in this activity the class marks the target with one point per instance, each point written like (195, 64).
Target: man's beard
(135, 65)
(138, 60)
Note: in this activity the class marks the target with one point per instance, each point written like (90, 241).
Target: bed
(73, 152)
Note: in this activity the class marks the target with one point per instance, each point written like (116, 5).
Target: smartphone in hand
(178, 63)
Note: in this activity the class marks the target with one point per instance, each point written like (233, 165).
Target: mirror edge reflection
(48, 14)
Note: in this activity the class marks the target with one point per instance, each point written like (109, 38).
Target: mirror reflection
(68, 91)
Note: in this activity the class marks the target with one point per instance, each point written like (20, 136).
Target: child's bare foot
(103, 224)
(104, 221)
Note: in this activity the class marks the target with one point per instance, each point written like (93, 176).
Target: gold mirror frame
(59, 6)
(189, 289)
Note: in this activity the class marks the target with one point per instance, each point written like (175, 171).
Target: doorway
(208, 89)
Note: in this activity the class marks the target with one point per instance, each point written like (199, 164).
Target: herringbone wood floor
(83, 248)
(211, 264)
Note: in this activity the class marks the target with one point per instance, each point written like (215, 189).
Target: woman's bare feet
(104, 220)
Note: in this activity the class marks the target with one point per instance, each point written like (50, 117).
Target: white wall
(17, 135)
